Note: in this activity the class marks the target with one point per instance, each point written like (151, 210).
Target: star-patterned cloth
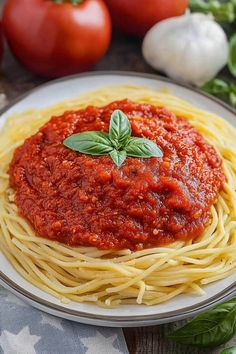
(26, 330)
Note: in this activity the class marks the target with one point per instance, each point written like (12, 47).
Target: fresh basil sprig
(231, 350)
(118, 143)
(210, 329)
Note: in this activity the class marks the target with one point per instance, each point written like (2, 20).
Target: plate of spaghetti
(118, 199)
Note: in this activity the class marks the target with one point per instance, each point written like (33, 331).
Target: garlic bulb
(192, 48)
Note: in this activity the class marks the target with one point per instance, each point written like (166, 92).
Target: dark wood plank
(153, 340)
(150, 340)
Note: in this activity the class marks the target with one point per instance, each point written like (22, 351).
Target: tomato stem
(73, 2)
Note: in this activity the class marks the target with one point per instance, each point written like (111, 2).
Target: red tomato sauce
(87, 200)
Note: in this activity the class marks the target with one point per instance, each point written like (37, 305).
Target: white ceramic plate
(127, 315)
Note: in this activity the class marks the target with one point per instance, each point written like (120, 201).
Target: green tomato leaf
(210, 329)
(120, 129)
(118, 156)
(141, 147)
(216, 87)
(231, 350)
(91, 143)
(232, 55)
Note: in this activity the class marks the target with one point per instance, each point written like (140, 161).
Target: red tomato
(138, 16)
(55, 39)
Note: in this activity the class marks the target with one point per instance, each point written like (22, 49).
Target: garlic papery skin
(192, 48)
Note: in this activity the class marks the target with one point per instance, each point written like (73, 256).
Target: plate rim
(19, 98)
(111, 319)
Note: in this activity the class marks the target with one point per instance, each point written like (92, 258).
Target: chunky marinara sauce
(87, 200)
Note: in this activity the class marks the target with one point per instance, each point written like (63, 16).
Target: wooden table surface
(124, 54)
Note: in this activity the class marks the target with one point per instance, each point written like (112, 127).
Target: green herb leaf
(216, 86)
(141, 147)
(222, 89)
(231, 350)
(118, 143)
(232, 99)
(211, 328)
(233, 2)
(232, 55)
(199, 6)
(91, 143)
(120, 129)
(118, 156)
(222, 11)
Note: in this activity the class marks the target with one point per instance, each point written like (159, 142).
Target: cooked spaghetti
(195, 254)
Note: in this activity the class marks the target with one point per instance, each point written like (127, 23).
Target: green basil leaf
(216, 87)
(91, 143)
(210, 329)
(118, 156)
(232, 88)
(231, 350)
(232, 99)
(232, 55)
(120, 129)
(141, 147)
(222, 89)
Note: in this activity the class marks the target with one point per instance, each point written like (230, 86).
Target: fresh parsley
(118, 143)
